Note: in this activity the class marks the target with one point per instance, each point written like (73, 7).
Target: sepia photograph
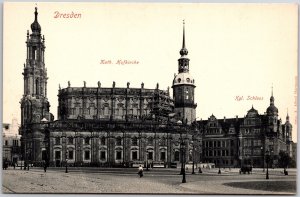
(150, 98)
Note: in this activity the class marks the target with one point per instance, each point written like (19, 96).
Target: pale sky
(234, 50)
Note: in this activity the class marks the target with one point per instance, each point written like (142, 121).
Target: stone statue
(114, 84)
(157, 86)
(128, 84)
(59, 86)
(84, 84)
(99, 84)
(69, 84)
(142, 85)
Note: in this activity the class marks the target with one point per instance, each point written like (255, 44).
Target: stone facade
(103, 126)
(245, 141)
(11, 151)
(115, 126)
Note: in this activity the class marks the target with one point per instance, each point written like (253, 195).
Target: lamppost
(263, 156)
(21, 162)
(193, 171)
(66, 161)
(147, 153)
(219, 172)
(267, 160)
(27, 152)
(183, 161)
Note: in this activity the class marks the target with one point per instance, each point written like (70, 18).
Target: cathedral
(128, 126)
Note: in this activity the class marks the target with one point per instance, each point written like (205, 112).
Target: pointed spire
(183, 40)
(272, 89)
(35, 14)
(272, 97)
(287, 115)
(183, 51)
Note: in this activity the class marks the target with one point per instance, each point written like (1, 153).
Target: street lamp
(193, 172)
(263, 163)
(21, 161)
(27, 160)
(67, 161)
(183, 161)
(147, 154)
(267, 160)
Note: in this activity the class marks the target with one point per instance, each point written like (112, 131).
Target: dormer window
(188, 80)
(179, 80)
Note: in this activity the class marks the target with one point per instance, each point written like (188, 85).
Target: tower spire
(35, 14)
(272, 97)
(272, 90)
(183, 50)
(35, 26)
(183, 40)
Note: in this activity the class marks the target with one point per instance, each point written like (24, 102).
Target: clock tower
(184, 88)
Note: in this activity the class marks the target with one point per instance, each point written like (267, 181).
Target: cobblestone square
(155, 181)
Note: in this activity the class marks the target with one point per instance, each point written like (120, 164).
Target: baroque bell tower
(34, 103)
(183, 88)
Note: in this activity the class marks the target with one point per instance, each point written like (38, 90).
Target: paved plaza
(155, 181)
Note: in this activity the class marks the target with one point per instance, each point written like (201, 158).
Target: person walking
(45, 166)
(140, 172)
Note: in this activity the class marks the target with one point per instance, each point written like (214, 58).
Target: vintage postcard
(149, 98)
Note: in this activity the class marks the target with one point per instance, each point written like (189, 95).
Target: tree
(284, 160)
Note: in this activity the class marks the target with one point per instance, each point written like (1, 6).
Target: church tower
(272, 115)
(183, 88)
(34, 103)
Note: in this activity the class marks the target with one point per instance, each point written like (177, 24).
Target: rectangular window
(102, 155)
(71, 154)
(163, 156)
(134, 155)
(150, 155)
(6, 143)
(57, 154)
(176, 156)
(87, 140)
(87, 155)
(118, 155)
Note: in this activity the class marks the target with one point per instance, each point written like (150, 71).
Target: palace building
(124, 126)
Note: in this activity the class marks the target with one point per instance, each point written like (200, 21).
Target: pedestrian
(45, 166)
(140, 172)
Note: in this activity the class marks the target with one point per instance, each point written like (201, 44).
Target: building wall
(108, 103)
(11, 142)
(119, 147)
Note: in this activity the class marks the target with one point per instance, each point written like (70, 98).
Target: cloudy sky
(234, 50)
